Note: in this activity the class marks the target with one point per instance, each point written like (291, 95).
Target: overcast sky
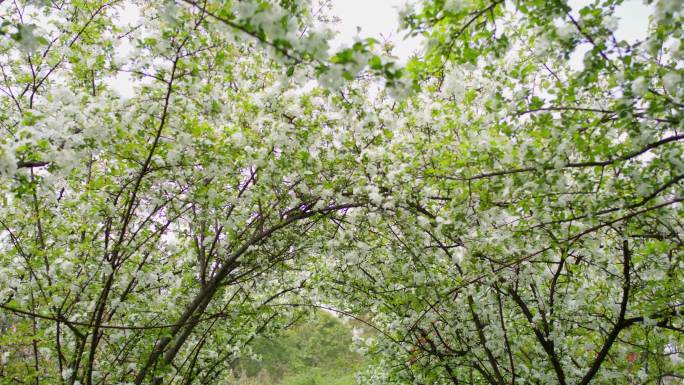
(376, 18)
(379, 17)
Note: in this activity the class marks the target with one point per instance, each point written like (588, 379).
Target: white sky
(376, 18)
(379, 19)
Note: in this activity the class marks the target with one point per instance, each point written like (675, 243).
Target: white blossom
(672, 82)
(640, 86)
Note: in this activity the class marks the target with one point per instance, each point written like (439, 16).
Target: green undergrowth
(315, 351)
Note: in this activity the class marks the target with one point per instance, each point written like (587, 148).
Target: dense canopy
(493, 214)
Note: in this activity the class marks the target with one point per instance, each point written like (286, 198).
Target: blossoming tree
(497, 215)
